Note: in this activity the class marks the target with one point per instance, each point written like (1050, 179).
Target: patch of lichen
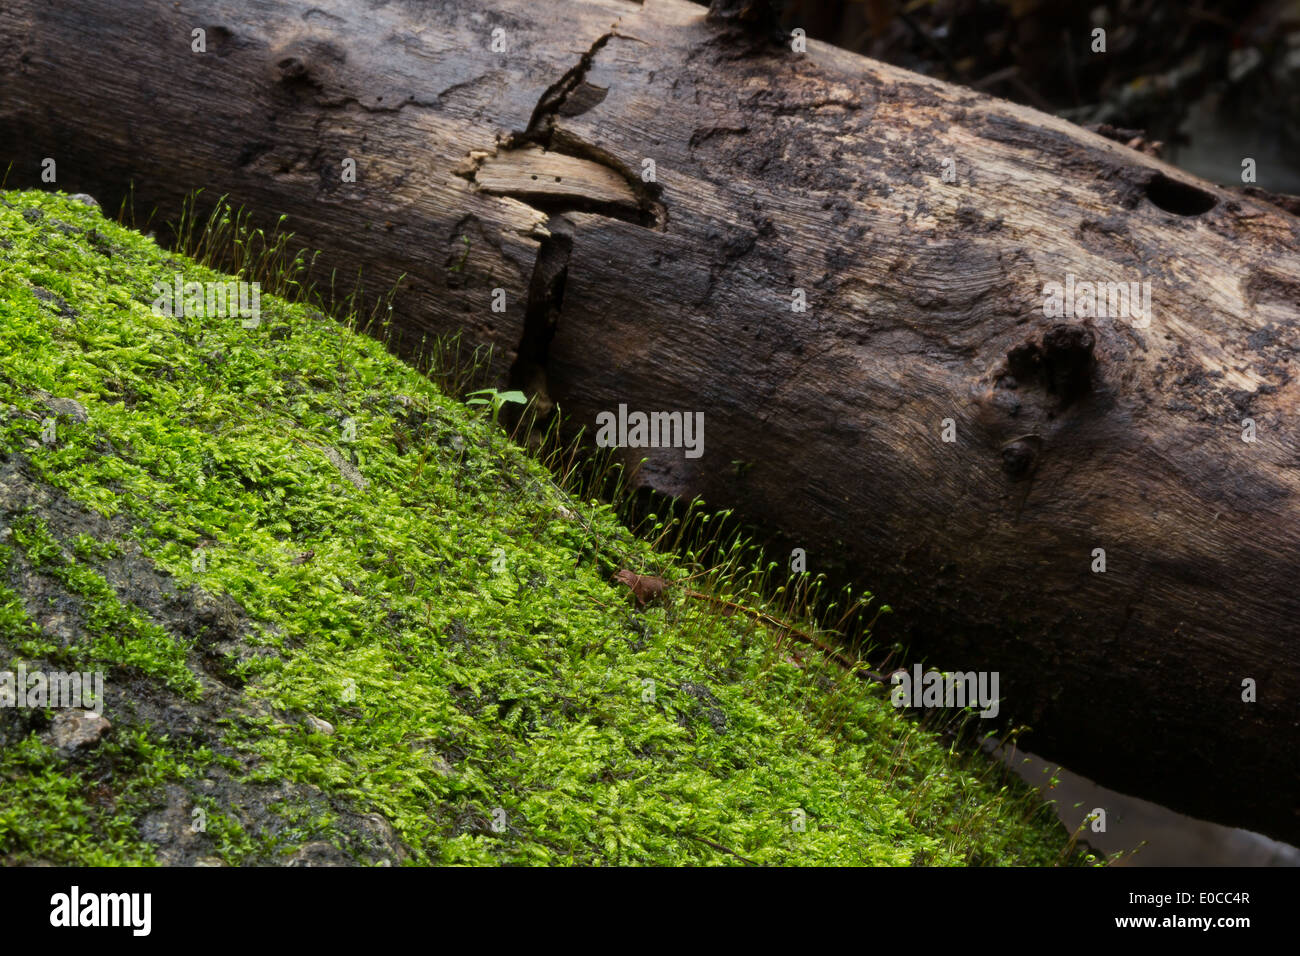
(492, 695)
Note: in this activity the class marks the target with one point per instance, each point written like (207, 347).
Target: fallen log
(1033, 387)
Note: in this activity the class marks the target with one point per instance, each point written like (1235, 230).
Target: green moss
(449, 612)
(55, 812)
(122, 634)
(20, 632)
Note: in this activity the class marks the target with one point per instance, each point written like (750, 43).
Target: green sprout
(496, 399)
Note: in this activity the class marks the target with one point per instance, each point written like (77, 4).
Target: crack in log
(573, 176)
(572, 90)
(541, 318)
(555, 172)
(758, 102)
(539, 124)
(557, 181)
(393, 107)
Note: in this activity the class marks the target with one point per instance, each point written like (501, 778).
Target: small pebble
(76, 729)
(316, 725)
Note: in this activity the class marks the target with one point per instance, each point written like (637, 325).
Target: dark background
(1215, 80)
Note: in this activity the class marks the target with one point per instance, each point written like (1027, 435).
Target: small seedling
(496, 399)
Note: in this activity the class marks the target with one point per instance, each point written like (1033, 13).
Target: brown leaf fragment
(645, 587)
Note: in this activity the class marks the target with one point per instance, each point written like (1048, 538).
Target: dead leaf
(645, 587)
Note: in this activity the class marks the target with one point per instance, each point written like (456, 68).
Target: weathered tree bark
(503, 144)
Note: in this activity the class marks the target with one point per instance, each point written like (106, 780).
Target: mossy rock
(341, 619)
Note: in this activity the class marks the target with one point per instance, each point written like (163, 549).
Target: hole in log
(1018, 457)
(1068, 361)
(1179, 198)
(1061, 364)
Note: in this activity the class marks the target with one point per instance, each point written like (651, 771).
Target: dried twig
(720, 848)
